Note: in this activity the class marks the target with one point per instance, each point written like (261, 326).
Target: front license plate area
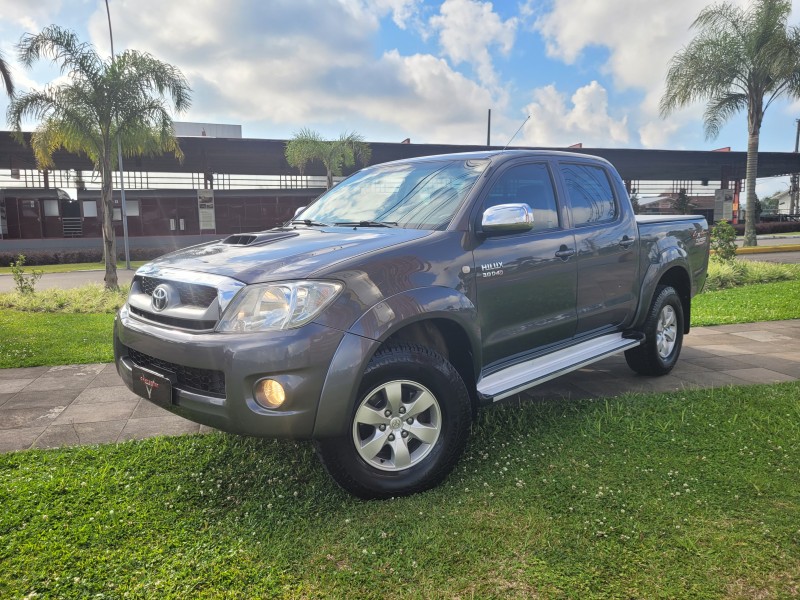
(153, 386)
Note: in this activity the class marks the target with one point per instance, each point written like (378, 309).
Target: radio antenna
(517, 132)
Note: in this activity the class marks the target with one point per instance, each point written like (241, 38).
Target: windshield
(414, 195)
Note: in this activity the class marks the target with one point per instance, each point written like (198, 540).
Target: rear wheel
(663, 330)
(408, 429)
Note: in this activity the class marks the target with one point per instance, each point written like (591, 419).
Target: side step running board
(516, 378)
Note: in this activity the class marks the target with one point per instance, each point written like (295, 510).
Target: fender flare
(367, 334)
(669, 258)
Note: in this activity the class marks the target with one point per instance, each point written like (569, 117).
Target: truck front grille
(193, 379)
(193, 324)
(192, 294)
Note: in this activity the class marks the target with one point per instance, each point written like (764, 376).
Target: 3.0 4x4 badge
(494, 269)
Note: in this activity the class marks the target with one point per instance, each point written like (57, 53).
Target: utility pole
(489, 130)
(794, 192)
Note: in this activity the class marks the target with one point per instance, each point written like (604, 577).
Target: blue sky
(586, 71)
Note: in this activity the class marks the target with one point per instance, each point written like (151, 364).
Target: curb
(768, 249)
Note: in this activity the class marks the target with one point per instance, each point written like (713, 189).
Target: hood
(283, 253)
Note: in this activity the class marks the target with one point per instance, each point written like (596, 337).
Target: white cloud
(468, 29)
(30, 16)
(292, 63)
(584, 119)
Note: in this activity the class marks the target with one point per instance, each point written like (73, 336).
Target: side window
(589, 194)
(527, 184)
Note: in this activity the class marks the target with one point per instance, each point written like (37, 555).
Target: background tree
(741, 59)
(770, 205)
(103, 99)
(307, 145)
(682, 205)
(635, 203)
(5, 75)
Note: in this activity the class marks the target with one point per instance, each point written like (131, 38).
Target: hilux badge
(160, 298)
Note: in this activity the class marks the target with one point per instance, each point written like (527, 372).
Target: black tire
(663, 330)
(412, 452)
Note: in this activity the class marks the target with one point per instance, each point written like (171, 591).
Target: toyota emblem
(160, 298)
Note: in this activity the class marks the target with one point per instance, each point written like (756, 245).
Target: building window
(90, 209)
(50, 208)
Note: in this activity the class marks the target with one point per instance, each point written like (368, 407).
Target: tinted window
(531, 185)
(589, 194)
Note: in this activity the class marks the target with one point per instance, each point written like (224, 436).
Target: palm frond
(5, 75)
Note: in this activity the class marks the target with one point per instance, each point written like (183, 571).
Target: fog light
(270, 393)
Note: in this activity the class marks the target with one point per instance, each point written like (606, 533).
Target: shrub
(85, 255)
(92, 298)
(723, 242)
(769, 228)
(25, 282)
(736, 273)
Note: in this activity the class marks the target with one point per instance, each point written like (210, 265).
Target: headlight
(276, 306)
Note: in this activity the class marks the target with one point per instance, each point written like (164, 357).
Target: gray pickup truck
(388, 311)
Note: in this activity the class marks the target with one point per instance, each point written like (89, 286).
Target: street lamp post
(123, 208)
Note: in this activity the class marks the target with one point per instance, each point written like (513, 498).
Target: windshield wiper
(309, 223)
(367, 223)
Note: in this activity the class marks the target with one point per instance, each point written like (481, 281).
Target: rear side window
(527, 184)
(590, 194)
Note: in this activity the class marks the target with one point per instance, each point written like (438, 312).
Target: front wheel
(408, 429)
(663, 330)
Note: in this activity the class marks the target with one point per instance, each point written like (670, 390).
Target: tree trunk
(750, 175)
(109, 238)
(330, 179)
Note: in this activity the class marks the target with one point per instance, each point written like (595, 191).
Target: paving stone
(690, 352)
(47, 383)
(29, 417)
(106, 380)
(23, 372)
(79, 433)
(97, 395)
(56, 436)
(148, 409)
(709, 379)
(758, 375)
(5, 398)
(687, 366)
(728, 350)
(776, 363)
(90, 370)
(12, 386)
(762, 335)
(47, 399)
(139, 429)
(93, 413)
(20, 438)
(207, 429)
(720, 363)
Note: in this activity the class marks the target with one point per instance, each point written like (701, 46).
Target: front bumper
(298, 359)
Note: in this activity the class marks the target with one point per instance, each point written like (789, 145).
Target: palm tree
(5, 75)
(741, 58)
(105, 99)
(308, 145)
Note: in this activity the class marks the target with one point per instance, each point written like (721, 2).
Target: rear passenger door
(526, 281)
(606, 238)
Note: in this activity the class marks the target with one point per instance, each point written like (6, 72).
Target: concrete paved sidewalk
(44, 407)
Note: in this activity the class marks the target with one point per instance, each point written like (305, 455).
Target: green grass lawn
(685, 495)
(30, 339)
(69, 267)
(748, 304)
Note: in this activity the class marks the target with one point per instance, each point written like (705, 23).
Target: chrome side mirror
(507, 218)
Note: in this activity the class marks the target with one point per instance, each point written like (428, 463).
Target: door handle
(564, 253)
(627, 242)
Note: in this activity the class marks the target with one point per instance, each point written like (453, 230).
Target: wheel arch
(677, 276)
(437, 317)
